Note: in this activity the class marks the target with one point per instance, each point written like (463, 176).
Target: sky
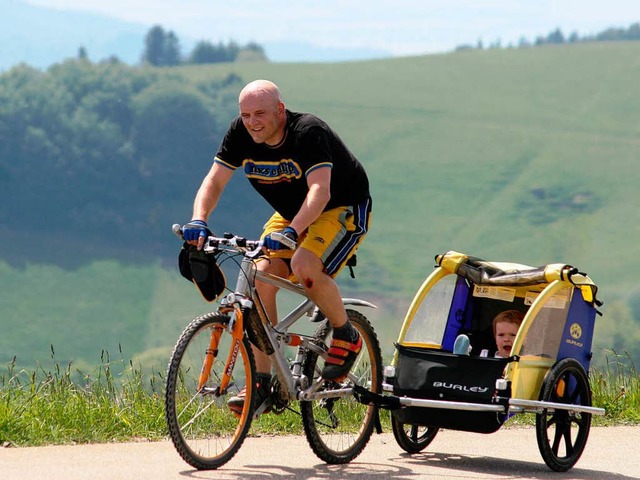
(400, 27)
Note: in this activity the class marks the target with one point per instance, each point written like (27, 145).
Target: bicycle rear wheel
(338, 429)
(204, 431)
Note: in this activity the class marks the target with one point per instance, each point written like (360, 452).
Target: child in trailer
(505, 329)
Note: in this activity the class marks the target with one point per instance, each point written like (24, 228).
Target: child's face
(505, 335)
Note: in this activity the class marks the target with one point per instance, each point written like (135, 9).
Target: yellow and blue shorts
(334, 237)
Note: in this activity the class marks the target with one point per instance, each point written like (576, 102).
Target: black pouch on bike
(203, 270)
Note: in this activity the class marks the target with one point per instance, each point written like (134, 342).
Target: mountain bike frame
(240, 303)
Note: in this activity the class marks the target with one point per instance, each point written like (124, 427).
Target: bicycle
(213, 360)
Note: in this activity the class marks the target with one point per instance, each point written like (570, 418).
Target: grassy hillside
(525, 154)
(528, 155)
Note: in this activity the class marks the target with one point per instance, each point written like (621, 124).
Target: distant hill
(523, 155)
(41, 36)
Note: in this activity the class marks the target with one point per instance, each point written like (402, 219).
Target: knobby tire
(338, 429)
(204, 431)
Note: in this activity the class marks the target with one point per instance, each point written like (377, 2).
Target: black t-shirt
(279, 173)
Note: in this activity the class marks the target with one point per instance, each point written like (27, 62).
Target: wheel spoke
(556, 440)
(552, 419)
(194, 416)
(568, 443)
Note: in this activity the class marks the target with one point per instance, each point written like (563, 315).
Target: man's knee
(306, 266)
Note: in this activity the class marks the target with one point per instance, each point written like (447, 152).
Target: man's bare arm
(210, 191)
(319, 182)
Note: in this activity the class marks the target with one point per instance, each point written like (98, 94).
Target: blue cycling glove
(194, 230)
(272, 244)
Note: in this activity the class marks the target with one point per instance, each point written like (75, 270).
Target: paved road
(510, 453)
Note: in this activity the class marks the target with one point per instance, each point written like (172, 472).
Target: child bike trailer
(445, 374)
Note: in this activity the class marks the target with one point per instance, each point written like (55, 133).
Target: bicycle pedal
(264, 408)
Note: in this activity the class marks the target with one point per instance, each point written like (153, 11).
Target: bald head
(263, 89)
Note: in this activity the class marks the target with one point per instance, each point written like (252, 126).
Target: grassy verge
(118, 402)
(115, 402)
(616, 388)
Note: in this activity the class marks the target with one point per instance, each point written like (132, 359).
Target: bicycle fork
(237, 333)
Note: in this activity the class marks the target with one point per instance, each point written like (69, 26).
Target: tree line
(105, 157)
(557, 37)
(162, 49)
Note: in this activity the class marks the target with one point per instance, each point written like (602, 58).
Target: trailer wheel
(412, 438)
(562, 434)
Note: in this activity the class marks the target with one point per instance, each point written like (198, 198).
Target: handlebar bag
(203, 270)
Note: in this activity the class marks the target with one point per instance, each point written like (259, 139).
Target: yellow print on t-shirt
(272, 172)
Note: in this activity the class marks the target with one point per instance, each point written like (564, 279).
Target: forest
(97, 151)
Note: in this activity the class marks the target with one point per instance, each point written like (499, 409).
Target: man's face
(505, 335)
(263, 117)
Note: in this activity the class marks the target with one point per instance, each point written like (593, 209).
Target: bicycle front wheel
(204, 431)
(338, 429)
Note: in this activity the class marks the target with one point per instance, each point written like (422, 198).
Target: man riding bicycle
(320, 194)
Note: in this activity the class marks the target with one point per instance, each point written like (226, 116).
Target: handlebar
(252, 247)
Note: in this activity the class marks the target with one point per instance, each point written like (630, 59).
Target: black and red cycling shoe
(342, 356)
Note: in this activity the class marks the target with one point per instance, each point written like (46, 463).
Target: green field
(526, 155)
